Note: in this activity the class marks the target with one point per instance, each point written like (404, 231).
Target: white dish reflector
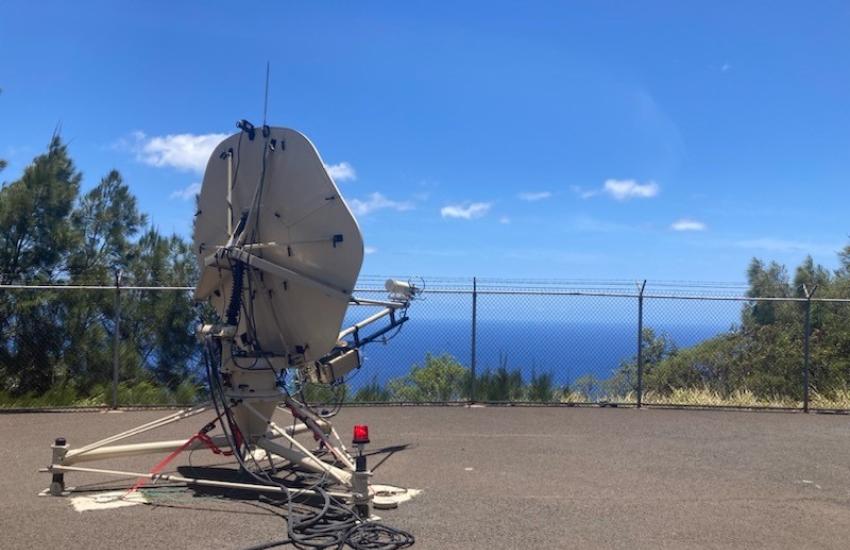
(300, 245)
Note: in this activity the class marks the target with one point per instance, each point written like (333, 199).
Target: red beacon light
(361, 434)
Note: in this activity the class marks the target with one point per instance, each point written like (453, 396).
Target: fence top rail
(469, 291)
(93, 287)
(606, 294)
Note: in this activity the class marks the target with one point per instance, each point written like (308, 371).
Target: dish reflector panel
(301, 244)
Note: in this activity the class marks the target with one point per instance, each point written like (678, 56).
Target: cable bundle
(329, 524)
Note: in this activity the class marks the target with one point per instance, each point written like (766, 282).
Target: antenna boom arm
(252, 260)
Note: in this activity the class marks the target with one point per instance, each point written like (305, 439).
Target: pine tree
(35, 233)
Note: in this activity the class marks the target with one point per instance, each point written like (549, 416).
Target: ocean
(567, 349)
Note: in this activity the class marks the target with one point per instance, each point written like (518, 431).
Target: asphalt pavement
(491, 477)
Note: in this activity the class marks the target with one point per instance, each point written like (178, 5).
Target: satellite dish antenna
(279, 253)
(269, 205)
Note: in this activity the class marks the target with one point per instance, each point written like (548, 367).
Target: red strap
(207, 440)
(200, 436)
(163, 463)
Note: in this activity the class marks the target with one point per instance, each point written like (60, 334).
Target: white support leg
(302, 457)
(316, 429)
(137, 449)
(158, 423)
(199, 481)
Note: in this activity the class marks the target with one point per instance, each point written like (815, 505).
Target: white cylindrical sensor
(399, 288)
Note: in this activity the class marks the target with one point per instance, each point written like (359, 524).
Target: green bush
(320, 393)
(440, 378)
(143, 393)
(373, 392)
(499, 385)
(57, 397)
(186, 393)
(541, 387)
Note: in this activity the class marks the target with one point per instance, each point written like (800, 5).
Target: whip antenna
(266, 98)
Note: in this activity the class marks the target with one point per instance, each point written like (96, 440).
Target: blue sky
(552, 140)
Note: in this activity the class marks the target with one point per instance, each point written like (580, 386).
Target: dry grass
(709, 398)
(705, 397)
(579, 397)
(837, 399)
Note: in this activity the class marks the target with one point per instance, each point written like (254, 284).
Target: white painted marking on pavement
(107, 501)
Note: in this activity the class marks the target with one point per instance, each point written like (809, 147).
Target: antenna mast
(266, 98)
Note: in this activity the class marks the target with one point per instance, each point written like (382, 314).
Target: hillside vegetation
(56, 346)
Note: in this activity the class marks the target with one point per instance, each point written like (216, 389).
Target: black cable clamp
(247, 127)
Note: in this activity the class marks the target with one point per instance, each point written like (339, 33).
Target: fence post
(640, 346)
(474, 358)
(807, 329)
(116, 338)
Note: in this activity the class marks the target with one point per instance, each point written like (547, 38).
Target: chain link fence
(468, 340)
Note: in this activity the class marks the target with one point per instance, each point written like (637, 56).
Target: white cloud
(686, 224)
(626, 189)
(465, 212)
(377, 201)
(342, 171)
(370, 250)
(187, 152)
(620, 190)
(582, 192)
(504, 220)
(187, 192)
(533, 196)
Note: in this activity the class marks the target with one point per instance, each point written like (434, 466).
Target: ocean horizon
(567, 349)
